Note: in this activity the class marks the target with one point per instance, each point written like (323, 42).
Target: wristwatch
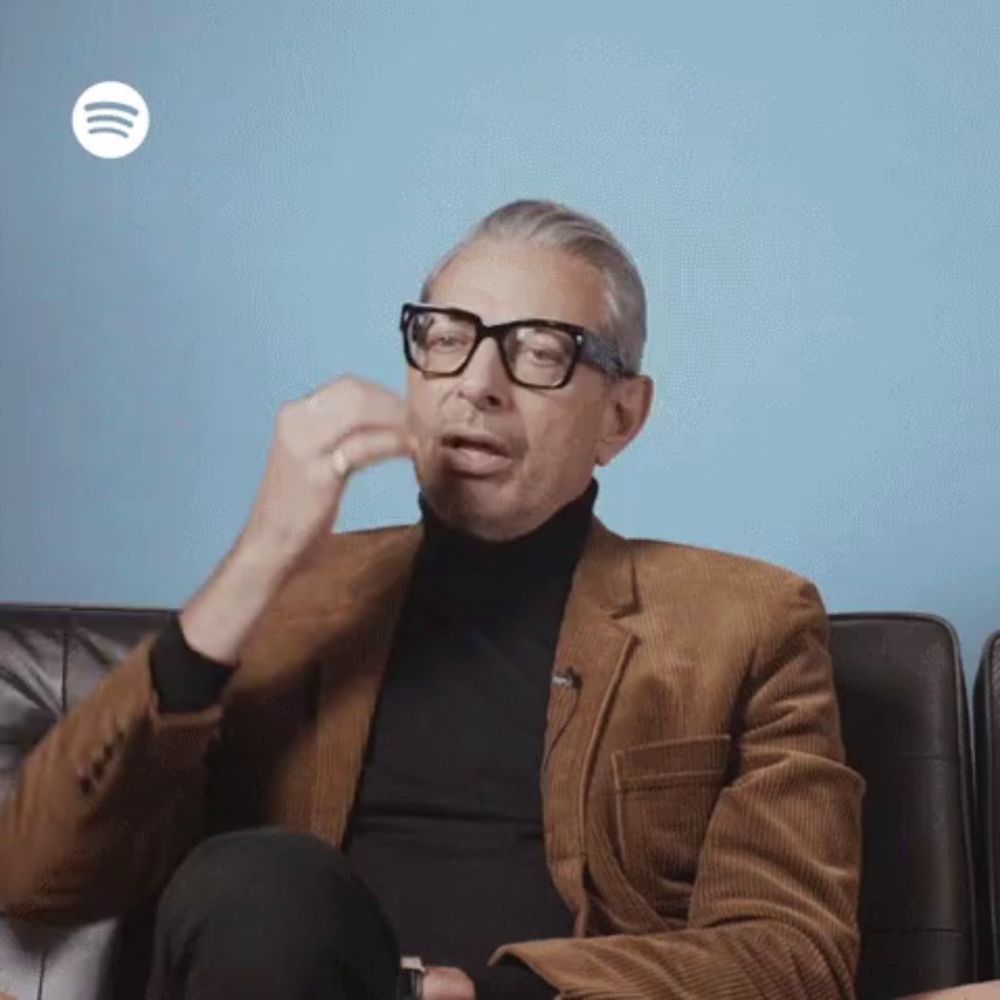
(411, 978)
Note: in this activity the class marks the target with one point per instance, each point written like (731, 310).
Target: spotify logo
(110, 120)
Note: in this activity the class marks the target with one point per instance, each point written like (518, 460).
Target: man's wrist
(511, 980)
(184, 679)
(219, 617)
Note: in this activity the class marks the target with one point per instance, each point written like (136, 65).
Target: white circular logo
(110, 119)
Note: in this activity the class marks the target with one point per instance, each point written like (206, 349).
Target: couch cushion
(50, 659)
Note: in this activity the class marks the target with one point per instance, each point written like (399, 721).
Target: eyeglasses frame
(588, 346)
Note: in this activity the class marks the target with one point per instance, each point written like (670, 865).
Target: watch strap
(411, 977)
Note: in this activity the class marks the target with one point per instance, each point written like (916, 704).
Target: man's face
(550, 437)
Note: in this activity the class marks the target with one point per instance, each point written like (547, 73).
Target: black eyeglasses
(536, 353)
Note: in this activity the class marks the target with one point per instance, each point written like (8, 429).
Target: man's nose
(485, 381)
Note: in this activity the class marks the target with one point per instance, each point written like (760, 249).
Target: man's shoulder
(701, 572)
(729, 596)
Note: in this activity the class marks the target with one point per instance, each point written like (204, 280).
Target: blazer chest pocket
(664, 796)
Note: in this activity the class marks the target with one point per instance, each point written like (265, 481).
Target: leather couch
(906, 729)
(50, 658)
(986, 709)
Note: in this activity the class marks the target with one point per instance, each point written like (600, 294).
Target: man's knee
(266, 895)
(280, 846)
(249, 868)
(264, 867)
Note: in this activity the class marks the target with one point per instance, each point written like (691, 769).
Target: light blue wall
(810, 190)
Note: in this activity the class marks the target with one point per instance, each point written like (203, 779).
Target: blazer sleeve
(108, 802)
(773, 911)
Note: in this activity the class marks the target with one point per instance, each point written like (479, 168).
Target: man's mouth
(476, 454)
(476, 442)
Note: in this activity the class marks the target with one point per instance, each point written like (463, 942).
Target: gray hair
(549, 224)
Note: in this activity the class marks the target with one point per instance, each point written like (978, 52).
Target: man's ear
(626, 410)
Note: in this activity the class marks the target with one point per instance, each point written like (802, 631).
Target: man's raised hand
(344, 426)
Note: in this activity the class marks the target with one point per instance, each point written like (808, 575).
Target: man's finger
(354, 394)
(361, 449)
(350, 405)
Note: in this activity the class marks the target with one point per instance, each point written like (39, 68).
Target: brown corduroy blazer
(699, 819)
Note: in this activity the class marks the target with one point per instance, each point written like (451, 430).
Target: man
(504, 736)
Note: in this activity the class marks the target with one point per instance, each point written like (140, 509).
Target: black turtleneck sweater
(447, 825)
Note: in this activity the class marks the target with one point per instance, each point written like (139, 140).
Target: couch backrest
(986, 710)
(905, 721)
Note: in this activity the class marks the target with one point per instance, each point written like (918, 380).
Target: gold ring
(339, 462)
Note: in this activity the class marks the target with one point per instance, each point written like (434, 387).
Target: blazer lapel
(590, 655)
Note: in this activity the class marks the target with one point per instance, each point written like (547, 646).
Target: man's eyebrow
(528, 319)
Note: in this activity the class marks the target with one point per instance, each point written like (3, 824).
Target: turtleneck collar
(551, 548)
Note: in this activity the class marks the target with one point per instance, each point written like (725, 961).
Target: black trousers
(269, 914)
